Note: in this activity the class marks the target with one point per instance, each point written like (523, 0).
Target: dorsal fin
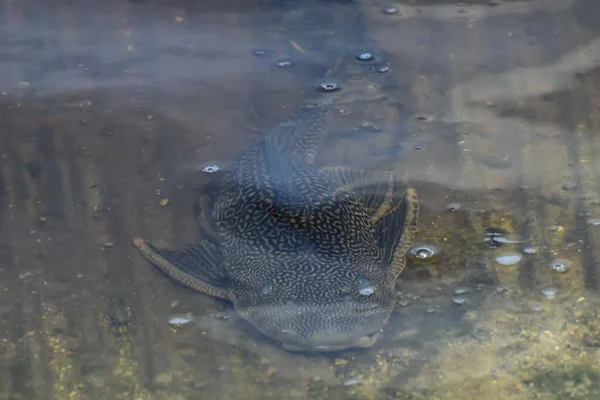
(300, 136)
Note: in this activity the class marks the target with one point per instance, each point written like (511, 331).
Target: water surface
(109, 110)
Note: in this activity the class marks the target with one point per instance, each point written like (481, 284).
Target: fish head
(321, 308)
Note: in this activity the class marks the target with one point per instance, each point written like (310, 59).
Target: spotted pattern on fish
(308, 255)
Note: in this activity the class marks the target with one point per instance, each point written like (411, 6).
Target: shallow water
(110, 110)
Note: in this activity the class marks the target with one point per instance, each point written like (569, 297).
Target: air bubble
(559, 266)
(284, 64)
(211, 168)
(458, 300)
(352, 381)
(178, 321)
(423, 253)
(453, 207)
(390, 10)
(461, 290)
(328, 86)
(383, 69)
(550, 293)
(529, 250)
(365, 56)
(496, 238)
(508, 259)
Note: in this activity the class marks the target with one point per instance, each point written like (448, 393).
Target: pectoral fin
(196, 266)
(396, 231)
(372, 188)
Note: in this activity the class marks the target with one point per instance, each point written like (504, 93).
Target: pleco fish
(309, 256)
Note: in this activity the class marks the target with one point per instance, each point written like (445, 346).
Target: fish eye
(365, 288)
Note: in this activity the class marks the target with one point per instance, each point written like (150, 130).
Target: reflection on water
(111, 111)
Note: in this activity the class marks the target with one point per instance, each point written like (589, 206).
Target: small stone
(149, 117)
(107, 245)
(164, 202)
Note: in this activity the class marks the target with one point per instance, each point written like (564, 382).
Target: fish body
(309, 256)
